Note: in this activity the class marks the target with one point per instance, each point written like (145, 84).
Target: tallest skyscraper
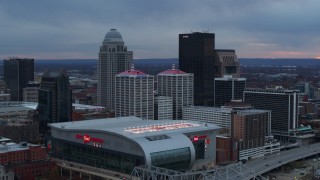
(113, 59)
(197, 55)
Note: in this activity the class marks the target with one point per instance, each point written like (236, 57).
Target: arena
(122, 143)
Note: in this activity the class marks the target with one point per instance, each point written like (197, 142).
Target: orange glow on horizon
(287, 53)
(279, 54)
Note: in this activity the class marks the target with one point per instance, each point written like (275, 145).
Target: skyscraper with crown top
(113, 59)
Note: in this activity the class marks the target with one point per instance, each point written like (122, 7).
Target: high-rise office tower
(17, 74)
(197, 55)
(54, 99)
(283, 105)
(227, 89)
(113, 59)
(226, 63)
(178, 85)
(134, 94)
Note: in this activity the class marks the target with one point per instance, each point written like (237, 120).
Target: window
(158, 137)
(176, 159)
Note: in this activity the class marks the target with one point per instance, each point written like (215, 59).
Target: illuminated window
(161, 127)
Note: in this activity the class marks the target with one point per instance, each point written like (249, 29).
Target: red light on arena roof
(160, 127)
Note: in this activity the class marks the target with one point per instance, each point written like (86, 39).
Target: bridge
(251, 170)
(263, 165)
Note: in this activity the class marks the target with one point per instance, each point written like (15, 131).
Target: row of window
(177, 159)
(94, 156)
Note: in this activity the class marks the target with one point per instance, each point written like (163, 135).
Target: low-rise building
(86, 112)
(227, 150)
(30, 92)
(163, 108)
(21, 132)
(3, 88)
(18, 121)
(6, 175)
(25, 159)
(4, 97)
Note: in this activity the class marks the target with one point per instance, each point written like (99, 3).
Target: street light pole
(253, 174)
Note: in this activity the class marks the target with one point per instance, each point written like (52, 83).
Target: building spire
(173, 67)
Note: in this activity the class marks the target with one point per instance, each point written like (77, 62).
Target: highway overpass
(251, 170)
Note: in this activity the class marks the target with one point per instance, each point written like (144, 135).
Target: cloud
(76, 28)
(262, 44)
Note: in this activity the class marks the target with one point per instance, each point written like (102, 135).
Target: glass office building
(227, 89)
(197, 56)
(17, 74)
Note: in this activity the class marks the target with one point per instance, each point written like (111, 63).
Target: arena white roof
(133, 127)
(150, 135)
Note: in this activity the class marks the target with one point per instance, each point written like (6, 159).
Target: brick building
(25, 159)
(21, 132)
(249, 128)
(227, 150)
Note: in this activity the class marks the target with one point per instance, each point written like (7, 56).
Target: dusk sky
(72, 29)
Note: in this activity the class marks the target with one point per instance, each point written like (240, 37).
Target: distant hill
(279, 62)
(94, 61)
(91, 63)
(243, 61)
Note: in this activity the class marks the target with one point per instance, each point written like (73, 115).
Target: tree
(28, 176)
(54, 174)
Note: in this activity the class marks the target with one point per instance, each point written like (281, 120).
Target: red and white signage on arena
(86, 138)
(197, 138)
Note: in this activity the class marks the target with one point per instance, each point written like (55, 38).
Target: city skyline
(73, 29)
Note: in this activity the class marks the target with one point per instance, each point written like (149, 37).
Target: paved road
(263, 165)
